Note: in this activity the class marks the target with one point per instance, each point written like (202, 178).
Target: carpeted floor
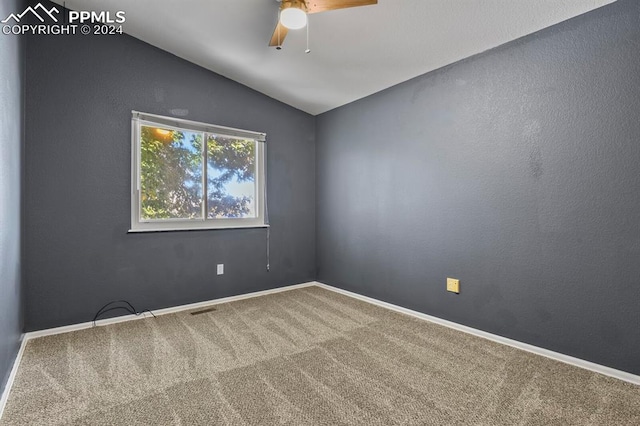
(306, 356)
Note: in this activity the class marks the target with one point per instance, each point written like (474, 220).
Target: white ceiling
(354, 52)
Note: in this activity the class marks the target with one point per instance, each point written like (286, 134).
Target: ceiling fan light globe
(293, 18)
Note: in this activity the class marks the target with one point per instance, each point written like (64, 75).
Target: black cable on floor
(129, 308)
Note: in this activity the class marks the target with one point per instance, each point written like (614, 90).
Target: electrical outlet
(453, 285)
(220, 268)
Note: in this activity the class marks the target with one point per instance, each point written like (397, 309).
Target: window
(189, 175)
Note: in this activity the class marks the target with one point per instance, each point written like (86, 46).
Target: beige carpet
(306, 356)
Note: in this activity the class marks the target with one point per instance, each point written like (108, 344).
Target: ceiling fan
(293, 14)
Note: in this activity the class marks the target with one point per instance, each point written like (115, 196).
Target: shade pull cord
(268, 243)
(266, 220)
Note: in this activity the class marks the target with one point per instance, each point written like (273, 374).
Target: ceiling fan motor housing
(308, 7)
(298, 4)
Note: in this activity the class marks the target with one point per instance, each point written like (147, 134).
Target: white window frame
(154, 225)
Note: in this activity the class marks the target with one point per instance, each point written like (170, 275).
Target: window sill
(212, 228)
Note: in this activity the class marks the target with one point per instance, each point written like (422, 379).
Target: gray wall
(80, 93)
(516, 171)
(11, 146)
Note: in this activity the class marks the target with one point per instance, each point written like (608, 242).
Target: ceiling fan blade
(278, 35)
(315, 6)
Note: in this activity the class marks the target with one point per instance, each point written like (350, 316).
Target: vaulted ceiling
(354, 52)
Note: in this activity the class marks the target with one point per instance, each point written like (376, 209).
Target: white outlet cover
(220, 268)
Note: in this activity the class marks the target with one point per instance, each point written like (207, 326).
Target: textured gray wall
(80, 93)
(516, 171)
(11, 138)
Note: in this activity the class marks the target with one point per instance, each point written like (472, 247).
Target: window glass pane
(231, 177)
(170, 174)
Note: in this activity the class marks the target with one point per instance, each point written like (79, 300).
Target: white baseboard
(12, 375)
(197, 305)
(607, 371)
